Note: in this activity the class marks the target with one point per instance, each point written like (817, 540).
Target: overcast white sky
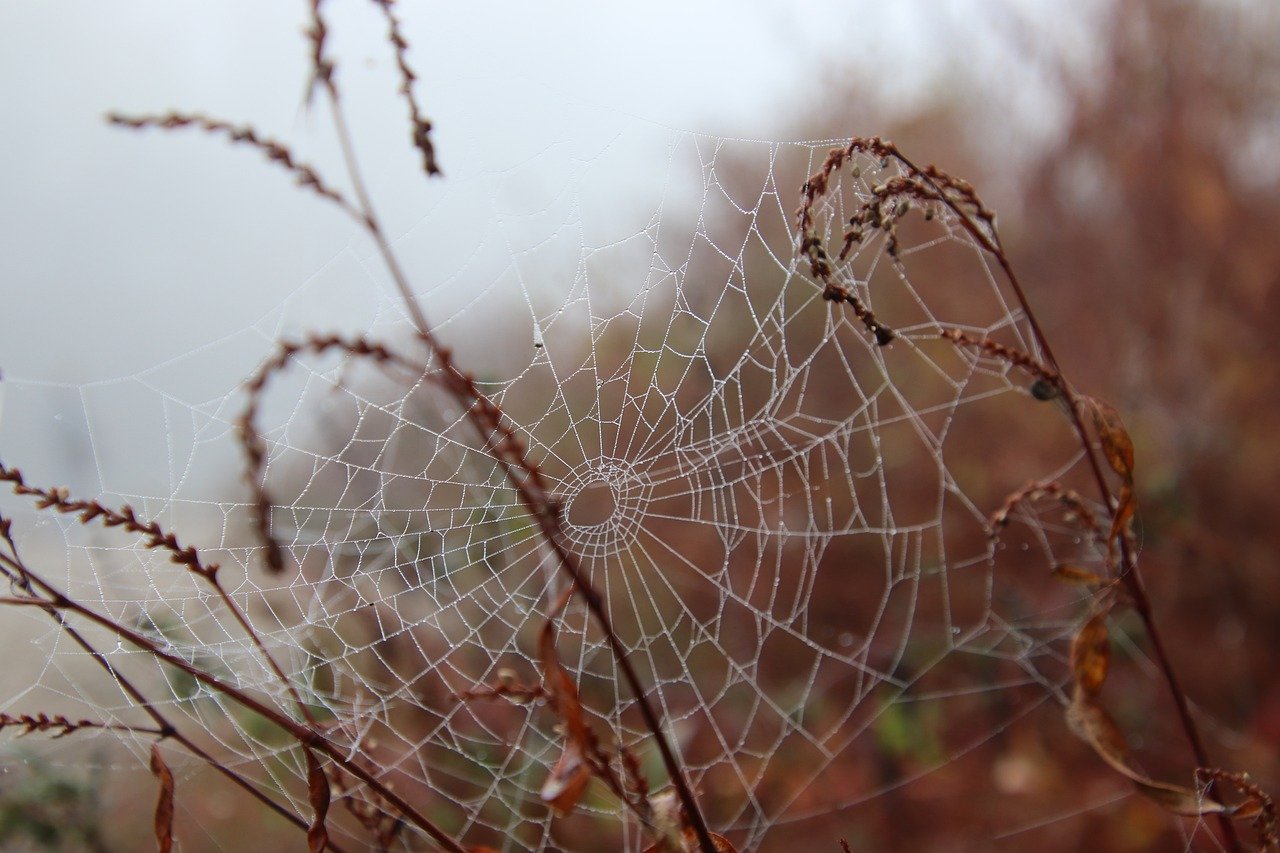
(142, 277)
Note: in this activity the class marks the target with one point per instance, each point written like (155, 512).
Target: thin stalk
(307, 737)
(166, 730)
(538, 502)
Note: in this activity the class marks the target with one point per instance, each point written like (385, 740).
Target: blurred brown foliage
(1146, 229)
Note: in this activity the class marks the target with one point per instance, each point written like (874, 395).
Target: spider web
(789, 523)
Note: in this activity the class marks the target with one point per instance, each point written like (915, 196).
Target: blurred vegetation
(43, 807)
(1145, 227)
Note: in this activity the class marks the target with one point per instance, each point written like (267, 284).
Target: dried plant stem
(501, 442)
(22, 578)
(59, 726)
(87, 511)
(56, 603)
(931, 185)
(308, 737)
(276, 152)
(255, 449)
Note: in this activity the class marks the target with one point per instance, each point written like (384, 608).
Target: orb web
(788, 523)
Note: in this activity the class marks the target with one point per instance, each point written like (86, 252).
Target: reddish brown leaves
(318, 795)
(1117, 446)
(1116, 443)
(1077, 575)
(671, 825)
(1090, 660)
(164, 805)
(1091, 654)
(689, 844)
(568, 780)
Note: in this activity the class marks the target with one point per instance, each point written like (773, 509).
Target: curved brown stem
(501, 443)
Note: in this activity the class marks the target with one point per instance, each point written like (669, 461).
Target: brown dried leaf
(318, 794)
(1091, 653)
(689, 844)
(668, 819)
(1125, 508)
(672, 828)
(1092, 724)
(722, 844)
(164, 806)
(1249, 809)
(1117, 446)
(1177, 799)
(1116, 443)
(1076, 574)
(568, 780)
(1090, 658)
(562, 692)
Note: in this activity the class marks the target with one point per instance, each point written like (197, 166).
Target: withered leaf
(1090, 658)
(1091, 653)
(1117, 446)
(1125, 509)
(318, 794)
(164, 805)
(672, 828)
(1076, 574)
(1092, 724)
(689, 844)
(568, 779)
(1115, 440)
(562, 692)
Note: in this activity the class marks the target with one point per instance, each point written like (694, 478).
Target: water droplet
(846, 640)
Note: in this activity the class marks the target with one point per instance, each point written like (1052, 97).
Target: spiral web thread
(789, 524)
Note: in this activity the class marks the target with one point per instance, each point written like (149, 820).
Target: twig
(165, 729)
